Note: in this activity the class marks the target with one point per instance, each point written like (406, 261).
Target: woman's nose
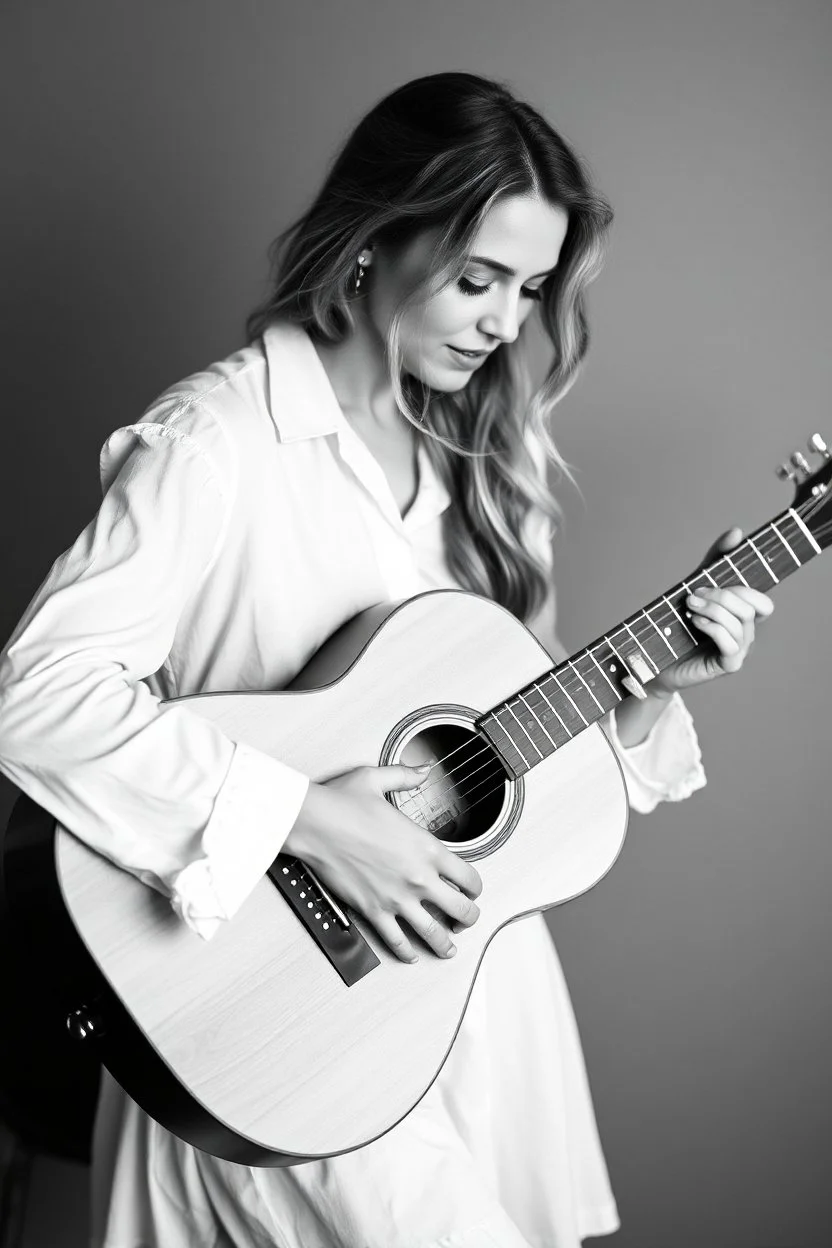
(503, 320)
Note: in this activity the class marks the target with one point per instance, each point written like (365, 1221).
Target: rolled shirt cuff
(253, 814)
(667, 765)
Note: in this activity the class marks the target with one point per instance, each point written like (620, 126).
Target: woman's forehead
(522, 233)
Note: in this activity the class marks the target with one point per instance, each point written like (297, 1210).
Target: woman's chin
(443, 379)
(440, 380)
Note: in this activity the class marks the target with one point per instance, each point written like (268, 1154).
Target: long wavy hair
(437, 154)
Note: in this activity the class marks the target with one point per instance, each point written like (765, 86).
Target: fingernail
(451, 952)
(424, 767)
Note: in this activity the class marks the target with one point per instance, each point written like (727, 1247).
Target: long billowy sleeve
(154, 787)
(667, 765)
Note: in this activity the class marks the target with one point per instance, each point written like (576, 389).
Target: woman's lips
(468, 357)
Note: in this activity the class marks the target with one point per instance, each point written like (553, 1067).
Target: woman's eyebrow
(504, 268)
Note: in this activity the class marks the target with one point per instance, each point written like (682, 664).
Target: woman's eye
(471, 288)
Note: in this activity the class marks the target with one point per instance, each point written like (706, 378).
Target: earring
(362, 259)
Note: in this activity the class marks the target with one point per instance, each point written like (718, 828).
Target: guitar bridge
(337, 938)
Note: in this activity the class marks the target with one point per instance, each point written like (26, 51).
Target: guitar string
(774, 544)
(820, 532)
(490, 757)
(485, 749)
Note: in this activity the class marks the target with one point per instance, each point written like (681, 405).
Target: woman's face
(514, 251)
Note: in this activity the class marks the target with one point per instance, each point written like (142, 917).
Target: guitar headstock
(813, 492)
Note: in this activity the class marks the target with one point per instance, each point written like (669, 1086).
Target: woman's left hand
(727, 617)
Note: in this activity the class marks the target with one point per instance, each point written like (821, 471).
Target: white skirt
(502, 1151)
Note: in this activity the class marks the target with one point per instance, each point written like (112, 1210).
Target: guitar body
(251, 1045)
(294, 1034)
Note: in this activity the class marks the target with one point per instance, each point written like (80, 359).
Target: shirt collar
(301, 398)
(304, 405)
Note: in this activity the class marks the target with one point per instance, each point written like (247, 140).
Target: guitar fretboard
(550, 712)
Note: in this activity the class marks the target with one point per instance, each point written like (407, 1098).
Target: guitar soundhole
(465, 792)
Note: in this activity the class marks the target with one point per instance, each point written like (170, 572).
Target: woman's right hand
(384, 865)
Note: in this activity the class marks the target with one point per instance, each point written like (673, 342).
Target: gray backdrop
(154, 150)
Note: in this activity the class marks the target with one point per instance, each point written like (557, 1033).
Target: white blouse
(243, 521)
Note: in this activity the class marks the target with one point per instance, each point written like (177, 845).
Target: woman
(377, 437)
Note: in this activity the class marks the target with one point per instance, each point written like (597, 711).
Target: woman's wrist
(304, 836)
(635, 717)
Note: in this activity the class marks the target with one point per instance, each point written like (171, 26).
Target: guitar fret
(554, 712)
(795, 532)
(661, 634)
(542, 726)
(684, 641)
(730, 561)
(810, 539)
(505, 749)
(678, 617)
(592, 695)
(600, 705)
(623, 668)
(572, 700)
(786, 544)
(579, 690)
(652, 640)
(544, 716)
(641, 647)
(550, 715)
(511, 712)
(779, 544)
(722, 577)
(604, 674)
(763, 561)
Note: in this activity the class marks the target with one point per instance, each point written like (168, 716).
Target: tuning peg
(817, 444)
(786, 473)
(801, 463)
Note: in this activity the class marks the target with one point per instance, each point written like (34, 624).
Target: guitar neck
(534, 722)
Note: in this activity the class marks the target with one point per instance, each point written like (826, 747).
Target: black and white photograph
(414, 624)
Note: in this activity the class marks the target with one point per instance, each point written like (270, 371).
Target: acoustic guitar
(294, 1034)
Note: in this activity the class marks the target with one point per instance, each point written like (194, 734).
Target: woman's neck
(358, 374)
